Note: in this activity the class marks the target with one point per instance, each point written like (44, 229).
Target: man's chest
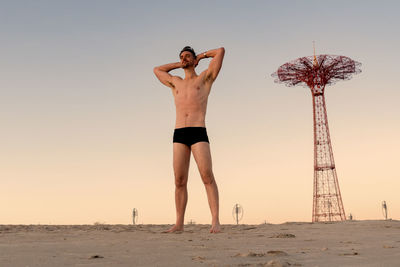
(191, 90)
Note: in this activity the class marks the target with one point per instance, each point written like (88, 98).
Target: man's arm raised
(162, 73)
(215, 64)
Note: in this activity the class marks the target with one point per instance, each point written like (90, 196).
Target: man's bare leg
(181, 160)
(202, 155)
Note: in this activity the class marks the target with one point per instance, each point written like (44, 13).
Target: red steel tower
(316, 72)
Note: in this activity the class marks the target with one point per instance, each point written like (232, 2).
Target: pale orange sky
(87, 128)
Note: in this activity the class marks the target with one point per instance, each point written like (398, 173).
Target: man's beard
(186, 65)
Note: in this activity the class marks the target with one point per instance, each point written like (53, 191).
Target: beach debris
(198, 258)
(96, 257)
(324, 249)
(282, 235)
(347, 242)
(277, 253)
(250, 254)
(387, 246)
(255, 254)
(349, 254)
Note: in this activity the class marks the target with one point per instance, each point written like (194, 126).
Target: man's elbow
(222, 50)
(155, 70)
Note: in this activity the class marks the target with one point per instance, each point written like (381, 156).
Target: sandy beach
(350, 243)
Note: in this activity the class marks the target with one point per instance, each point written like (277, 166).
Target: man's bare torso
(191, 97)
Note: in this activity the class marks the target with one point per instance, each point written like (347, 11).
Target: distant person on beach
(190, 135)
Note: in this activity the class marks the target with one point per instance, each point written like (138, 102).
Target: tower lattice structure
(316, 72)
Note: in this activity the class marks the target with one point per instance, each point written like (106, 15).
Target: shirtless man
(190, 135)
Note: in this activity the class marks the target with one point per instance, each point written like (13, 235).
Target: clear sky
(86, 128)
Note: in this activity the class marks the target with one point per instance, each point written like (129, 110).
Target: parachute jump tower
(316, 72)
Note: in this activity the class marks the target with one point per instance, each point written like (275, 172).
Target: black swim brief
(190, 135)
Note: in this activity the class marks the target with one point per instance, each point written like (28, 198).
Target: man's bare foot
(215, 228)
(174, 228)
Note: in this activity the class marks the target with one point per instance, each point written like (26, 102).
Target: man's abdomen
(190, 119)
(190, 114)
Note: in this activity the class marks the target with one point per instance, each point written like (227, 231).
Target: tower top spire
(315, 61)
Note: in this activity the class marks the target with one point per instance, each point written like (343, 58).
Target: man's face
(187, 59)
